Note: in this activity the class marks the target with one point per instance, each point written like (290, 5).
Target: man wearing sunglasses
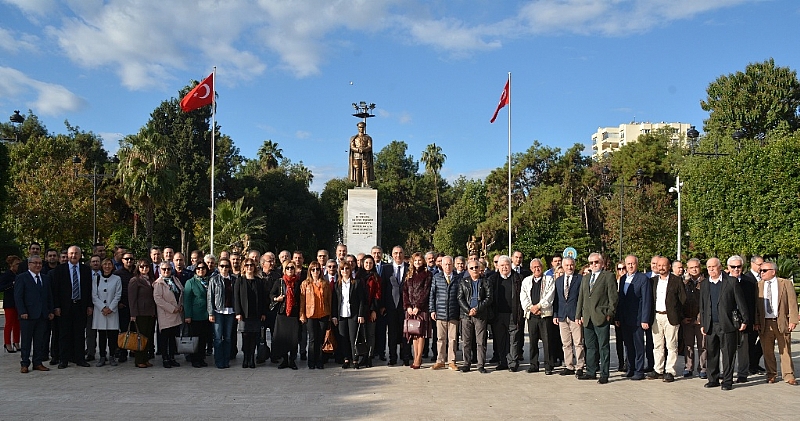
(747, 339)
(125, 274)
(475, 301)
(565, 304)
(751, 277)
(776, 318)
(597, 304)
(692, 283)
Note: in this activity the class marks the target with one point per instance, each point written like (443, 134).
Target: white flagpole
(213, 153)
(509, 165)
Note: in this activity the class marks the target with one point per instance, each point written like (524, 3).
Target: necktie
(447, 278)
(397, 273)
(591, 281)
(38, 281)
(566, 287)
(76, 285)
(768, 297)
(518, 270)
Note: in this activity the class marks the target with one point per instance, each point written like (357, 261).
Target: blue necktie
(76, 285)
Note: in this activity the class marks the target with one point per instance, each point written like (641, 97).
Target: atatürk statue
(360, 171)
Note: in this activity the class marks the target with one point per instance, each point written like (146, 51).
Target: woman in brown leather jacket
(416, 291)
(315, 311)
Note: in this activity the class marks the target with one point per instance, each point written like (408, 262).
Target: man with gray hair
(747, 338)
(693, 281)
(776, 318)
(443, 304)
(597, 304)
(536, 298)
(506, 286)
(750, 278)
(567, 288)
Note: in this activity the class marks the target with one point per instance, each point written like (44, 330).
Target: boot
(113, 361)
(101, 362)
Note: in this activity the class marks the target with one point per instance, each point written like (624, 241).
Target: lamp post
(677, 189)
(16, 119)
(639, 175)
(95, 178)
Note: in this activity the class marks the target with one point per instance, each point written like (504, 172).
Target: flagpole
(509, 165)
(213, 153)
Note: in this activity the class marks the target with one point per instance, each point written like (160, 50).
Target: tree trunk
(438, 209)
(150, 224)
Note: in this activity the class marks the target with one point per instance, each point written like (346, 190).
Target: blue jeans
(223, 329)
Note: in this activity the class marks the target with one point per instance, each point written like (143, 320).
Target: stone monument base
(361, 220)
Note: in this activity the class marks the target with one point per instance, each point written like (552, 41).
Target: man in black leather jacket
(475, 300)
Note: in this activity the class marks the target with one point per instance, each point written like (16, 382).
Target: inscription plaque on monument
(361, 220)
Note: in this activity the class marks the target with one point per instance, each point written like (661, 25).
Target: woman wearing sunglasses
(349, 308)
(285, 295)
(168, 295)
(315, 312)
(251, 309)
(142, 307)
(195, 305)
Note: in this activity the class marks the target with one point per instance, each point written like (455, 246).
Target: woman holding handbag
(195, 309)
(416, 291)
(315, 312)
(369, 277)
(250, 308)
(168, 295)
(285, 297)
(349, 309)
(143, 307)
(106, 293)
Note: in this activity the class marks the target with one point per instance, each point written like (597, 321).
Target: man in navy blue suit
(567, 288)
(633, 315)
(392, 277)
(34, 301)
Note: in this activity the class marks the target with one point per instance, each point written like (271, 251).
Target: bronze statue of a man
(361, 171)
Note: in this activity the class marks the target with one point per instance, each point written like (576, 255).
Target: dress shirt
(771, 287)
(345, 308)
(628, 281)
(661, 294)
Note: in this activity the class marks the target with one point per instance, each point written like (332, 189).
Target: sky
(288, 71)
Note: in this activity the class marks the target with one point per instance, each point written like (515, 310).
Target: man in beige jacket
(776, 317)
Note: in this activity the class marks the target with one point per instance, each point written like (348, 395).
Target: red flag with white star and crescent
(202, 94)
(503, 102)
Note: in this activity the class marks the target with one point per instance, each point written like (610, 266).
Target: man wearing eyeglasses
(475, 302)
(633, 315)
(269, 275)
(692, 284)
(565, 305)
(776, 318)
(751, 277)
(597, 304)
(322, 258)
(747, 339)
(509, 321)
(125, 274)
(536, 298)
(720, 297)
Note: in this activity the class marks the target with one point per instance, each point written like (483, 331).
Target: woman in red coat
(416, 290)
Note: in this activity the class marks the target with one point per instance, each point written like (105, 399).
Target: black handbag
(737, 318)
(262, 352)
(273, 305)
(362, 348)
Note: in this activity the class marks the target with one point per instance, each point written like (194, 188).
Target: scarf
(290, 299)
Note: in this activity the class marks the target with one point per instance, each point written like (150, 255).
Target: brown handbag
(329, 344)
(413, 327)
(132, 341)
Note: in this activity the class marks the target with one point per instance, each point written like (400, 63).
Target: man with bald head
(721, 303)
(668, 298)
(72, 298)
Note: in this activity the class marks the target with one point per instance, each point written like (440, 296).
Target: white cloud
(34, 7)
(302, 134)
(111, 141)
(51, 99)
(452, 34)
(13, 44)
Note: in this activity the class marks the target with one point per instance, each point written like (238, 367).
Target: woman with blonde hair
(168, 295)
(416, 290)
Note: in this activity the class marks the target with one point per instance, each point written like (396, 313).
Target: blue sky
(435, 69)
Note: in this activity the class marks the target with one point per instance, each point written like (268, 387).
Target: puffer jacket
(444, 297)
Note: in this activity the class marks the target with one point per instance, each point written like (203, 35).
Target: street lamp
(677, 189)
(639, 175)
(95, 178)
(16, 119)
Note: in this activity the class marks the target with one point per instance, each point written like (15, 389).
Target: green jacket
(599, 305)
(194, 299)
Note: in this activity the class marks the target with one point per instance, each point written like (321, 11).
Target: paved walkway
(382, 392)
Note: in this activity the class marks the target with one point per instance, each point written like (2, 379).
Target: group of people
(356, 307)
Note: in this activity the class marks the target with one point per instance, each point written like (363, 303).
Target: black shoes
(741, 380)
(464, 369)
(727, 386)
(711, 384)
(392, 363)
(603, 380)
(407, 363)
(567, 372)
(668, 378)
(533, 369)
(653, 375)
(587, 377)
(292, 365)
(283, 364)
(482, 370)
(83, 364)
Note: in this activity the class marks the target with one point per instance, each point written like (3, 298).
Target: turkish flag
(202, 94)
(504, 100)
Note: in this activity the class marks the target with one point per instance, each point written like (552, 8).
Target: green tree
(461, 218)
(433, 158)
(269, 155)
(759, 100)
(235, 226)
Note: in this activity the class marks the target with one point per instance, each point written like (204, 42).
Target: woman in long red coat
(416, 290)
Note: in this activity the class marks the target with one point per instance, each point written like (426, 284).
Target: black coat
(249, 298)
(7, 288)
(278, 289)
(731, 298)
(358, 299)
(62, 287)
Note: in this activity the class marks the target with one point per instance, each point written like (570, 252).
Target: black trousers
(718, 340)
(124, 319)
(52, 335)
(394, 328)
(168, 336)
(380, 336)
(539, 329)
(748, 352)
(316, 336)
(107, 338)
(506, 337)
(348, 327)
(621, 345)
(33, 331)
(201, 329)
(72, 334)
(648, 350)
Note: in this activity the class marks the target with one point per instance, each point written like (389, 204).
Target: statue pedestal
(361, 220)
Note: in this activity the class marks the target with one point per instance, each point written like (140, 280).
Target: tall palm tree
(269, 155)
(146, 174)
(433, 158)
(234, 224)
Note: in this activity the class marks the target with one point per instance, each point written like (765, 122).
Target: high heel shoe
(9, 348)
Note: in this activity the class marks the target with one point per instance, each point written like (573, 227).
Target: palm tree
(233, 225)
(269, 155)
(146, 173)
(433, 158)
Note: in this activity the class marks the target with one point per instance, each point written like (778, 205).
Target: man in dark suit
(597, 304)
(392, 277)
(564, 306)
(720, 297)
(753, 276)
(34, 302)
(633, 315)
(668, 298)
(72, 286)
(508, 326)
(748, 349)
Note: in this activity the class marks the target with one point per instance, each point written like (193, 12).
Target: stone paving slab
(382, 392)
